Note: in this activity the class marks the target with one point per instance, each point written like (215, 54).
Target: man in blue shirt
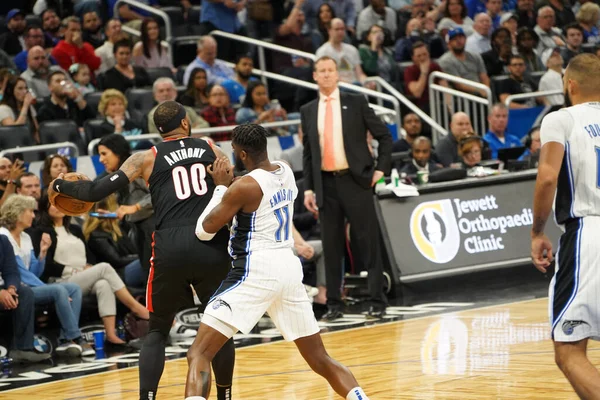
(34, 36)
(496, 137)
(216, 70)
(222, 15)
(236, 87)
(18, 299)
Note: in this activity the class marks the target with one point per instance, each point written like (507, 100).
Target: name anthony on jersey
(183, 154)
(282, 195)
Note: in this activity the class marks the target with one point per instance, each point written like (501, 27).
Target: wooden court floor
(499, 352)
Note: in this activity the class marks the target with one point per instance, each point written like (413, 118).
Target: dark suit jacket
(357, 118)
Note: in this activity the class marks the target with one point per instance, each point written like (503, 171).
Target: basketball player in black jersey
(181, 189)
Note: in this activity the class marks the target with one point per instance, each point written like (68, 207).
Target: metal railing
(382, 83)
(207, 131)
(476, 107)
(146, 136)
(42, 147)
(145, 7)
(359, 89)
(523, 96)
(261, 45)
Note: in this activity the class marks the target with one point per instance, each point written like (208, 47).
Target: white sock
(357, 394)
(195, 398)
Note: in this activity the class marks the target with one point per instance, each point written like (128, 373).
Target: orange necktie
(328, 149)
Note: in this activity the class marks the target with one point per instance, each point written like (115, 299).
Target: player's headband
(174, 122)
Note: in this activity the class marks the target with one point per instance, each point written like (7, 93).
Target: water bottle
(395, 178)
(121, 330)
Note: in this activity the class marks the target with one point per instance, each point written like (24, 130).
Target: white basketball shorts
(265, 281)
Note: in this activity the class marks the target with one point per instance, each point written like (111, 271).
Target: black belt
(339, 172)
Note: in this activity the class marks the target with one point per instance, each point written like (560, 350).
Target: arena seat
(62, 130)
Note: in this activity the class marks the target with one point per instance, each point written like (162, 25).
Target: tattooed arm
(138, 165)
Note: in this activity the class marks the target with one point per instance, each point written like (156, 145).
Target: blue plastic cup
(99, 340)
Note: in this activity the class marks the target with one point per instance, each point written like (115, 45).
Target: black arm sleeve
(93, 191)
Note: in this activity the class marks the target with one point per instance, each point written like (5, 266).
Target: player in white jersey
(266, 276)
(569, 177)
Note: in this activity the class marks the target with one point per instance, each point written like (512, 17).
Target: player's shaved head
(581, 78)
(170, 118)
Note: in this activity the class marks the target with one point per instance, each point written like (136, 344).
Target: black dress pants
(344, 198)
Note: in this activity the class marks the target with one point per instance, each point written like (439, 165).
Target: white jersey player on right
(266, 276)
(569, 179)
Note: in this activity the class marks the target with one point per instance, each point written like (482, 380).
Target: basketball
(66, 204)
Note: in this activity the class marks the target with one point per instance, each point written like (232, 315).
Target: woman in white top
(148, 52)
(16, 107)
(68, 262)
(455, 16)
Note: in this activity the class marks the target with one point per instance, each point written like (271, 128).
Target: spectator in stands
(497, 138)
(219, 112)
(533, 144)
(416, 76)
(12, 41)
(376, 14)
(479, 41)
(413, 128)
(131, 16)
(105, 52)
(135, 203)
(470, 149)
(34, 36)
(574, 37)
(562, 11)
(81, 76)
(526, 13)
(19, 299)
(421, 157)
(107, 242)
(28, 184)
(6, 61)
(223, 16)
(52, 28)
(510, 22)
(69, 260)
(37, 72)
(257, 109)
(236, 87)
(494, 10)
(497, 59)
(549, 35)
(588, 17)
(416, 31)
(377, 60)
(291, 34)
(17, 215)
(446, 150)
(66, 102)
(343, 9)
(113, 107)
(196, 94)
(54, 165)
(9, 174)
(552, 79)
(164, 89)
(345, 55)
(263, 18)
(217, 71)
(475, 7)
(320, 34)
(293, 155)
(16, 107)
(123, 75)
(72, 49)
(92, 29)
(518, 83)
(455, 16)
(459, 62)
(148, 52)
(527, 41)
